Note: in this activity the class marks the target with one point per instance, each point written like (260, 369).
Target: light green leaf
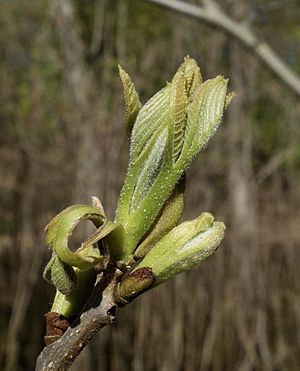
(170, 129)
(152, 119)
(179, 100)
(150, 169)
(167, 219)
(184, 247)
(60, 229)
(132, 101)
(204, 114)
(114, 240)
(63, 276)
(192, 74)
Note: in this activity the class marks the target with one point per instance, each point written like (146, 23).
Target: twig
(211, 14)
(272, 165)
(99, 313)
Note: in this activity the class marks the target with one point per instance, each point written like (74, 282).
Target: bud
(135, 284)
(169, 131)
(184, 247)
(204, 114)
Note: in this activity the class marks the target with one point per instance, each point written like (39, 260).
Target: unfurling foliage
(145, 244)
(169, 131)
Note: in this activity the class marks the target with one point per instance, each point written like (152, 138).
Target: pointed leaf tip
(204, 114)
(229, 97)
(192, 74)
(132, 101)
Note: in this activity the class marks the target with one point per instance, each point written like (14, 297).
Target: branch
(272, 165)
(211, 14)
(99, 313)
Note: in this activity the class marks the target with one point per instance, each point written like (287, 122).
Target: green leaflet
(184, 84)
(114, 240)
(59, 230)
(167, 219)
(61, 227)
(179, 100)
(61, 275)
(135, 284)
(152, 118)
(183, 247)
(169, 131)
(132, 101)
(192, 75)
(149, 170)
(204, 114)
(73, 273)
(47, 269)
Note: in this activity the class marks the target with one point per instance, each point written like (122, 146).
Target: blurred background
(62, 140)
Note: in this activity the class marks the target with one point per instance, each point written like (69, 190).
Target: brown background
(62, 140)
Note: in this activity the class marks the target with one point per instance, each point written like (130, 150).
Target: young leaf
(151, 167)
(204, 114)
(183, 247)
(132, 101)
(171, 128)
(61, 227)
(166, 220)
(72, 303)
(114, 240)
(192, 74)
(152, 119)
(63, 276)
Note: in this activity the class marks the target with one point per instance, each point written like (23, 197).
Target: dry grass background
(62, 140)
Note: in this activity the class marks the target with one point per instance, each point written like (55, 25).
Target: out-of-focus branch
(211, 14)
(272, 165)
(99, 19)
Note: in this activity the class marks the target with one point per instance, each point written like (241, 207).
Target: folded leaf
(63, 276)
(179, 100)
(132, 101)
(204, 115)
(72, 303)
(170, 129)
(60, 229)
(183, 247)
(166, 220)
(192, 74)
(114, 240)
(153, 118)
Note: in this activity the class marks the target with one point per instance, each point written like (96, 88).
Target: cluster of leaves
(145, 241)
